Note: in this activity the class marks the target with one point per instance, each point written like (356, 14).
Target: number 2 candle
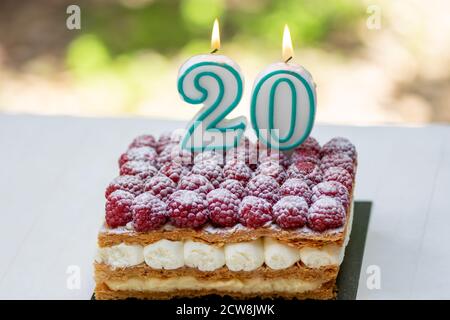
(216, 82)
(283, 103)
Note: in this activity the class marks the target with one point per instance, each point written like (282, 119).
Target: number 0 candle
(216, 82)
(283, 104)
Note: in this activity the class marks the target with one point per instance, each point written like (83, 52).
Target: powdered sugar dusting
(219, 193)
(126, 179)
(122, 194)
(138, 154)
(140, 166)
(332, 189)
(209, 157)
(144, 199)
(340, 145)
(326, 213)
(186, 196)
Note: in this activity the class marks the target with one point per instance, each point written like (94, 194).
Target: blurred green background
(124, 59)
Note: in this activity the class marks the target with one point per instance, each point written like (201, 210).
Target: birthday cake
(249, 222)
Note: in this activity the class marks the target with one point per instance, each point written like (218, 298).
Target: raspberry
(138, 154)
(177, 135)
(340, 175)
(214, 157)
(223, 207)
(331, 189)
(118, 208)
(173, 153)
(142, 169)
(149, 213)
(255, 212)
(210, 171)
(272, 169)
(307, 171)
(174, 171)
(337, 160)
(237, 170)
(340, 145)
(235, 154)
(264, 187)
(265, 153)
(296, 187)
(132, 184)
(246, 153)
(145, 140)
(235, 187)
(163, 141)
(291, 212)
(308, 151)
(300, 155)
(274, 155)
(160, 186)
(187, 209)
(310, 145)
(326, 213)
(197, 183)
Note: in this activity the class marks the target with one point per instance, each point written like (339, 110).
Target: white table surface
(53, 172)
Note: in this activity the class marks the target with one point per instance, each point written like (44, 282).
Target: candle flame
(288, 51)
(215, 37)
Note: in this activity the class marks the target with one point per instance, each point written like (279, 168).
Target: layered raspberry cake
(247, 223)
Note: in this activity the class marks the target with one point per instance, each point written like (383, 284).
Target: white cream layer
(121, 255)
(243, 256)
(232, 285)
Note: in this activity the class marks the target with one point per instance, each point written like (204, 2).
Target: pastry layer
(104, 272)
(300, 237)
(103, 292)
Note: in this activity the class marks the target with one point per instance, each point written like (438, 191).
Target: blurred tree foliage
(123, 28)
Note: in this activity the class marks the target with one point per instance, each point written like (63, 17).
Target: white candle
(216, 82)
(283, 102)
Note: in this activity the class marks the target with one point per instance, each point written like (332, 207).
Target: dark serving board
(347, 281)
(348, 278)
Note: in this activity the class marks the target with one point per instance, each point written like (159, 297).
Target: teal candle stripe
(253, 111)
(239, 128)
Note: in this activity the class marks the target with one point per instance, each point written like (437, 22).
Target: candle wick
(288, 59)
(215, 50)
